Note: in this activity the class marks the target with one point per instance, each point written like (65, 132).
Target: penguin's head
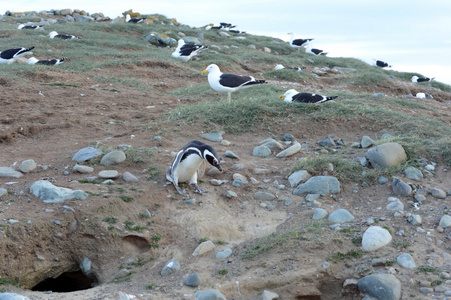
(212, 158)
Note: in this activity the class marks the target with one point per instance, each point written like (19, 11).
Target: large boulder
(386, 155)
(318, 185)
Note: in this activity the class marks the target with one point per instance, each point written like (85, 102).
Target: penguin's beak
(217, 165)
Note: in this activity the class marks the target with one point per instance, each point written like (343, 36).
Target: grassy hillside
(121, 45)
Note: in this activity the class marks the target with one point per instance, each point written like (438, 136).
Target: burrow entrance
(66, 282)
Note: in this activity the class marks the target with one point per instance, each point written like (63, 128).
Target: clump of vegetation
(266, 243)
(126, 198)
(351, 254)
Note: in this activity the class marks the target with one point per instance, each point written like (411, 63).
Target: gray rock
(209, 295)
(287, 137)
(267, 295)
(204, 248)
(82, 169)
(366, 142)
(3, 192)
(86, 154)
(262, 196)
(381, 286)
(386, 155)
(12, 296)
(108, 174)
(231, 194)
(129, 177)
(27, 166)
(340, 216)
(414, 220)
(114, 157)
(375, 237)
(319, 213)
(400, 188)
(213, 136)
(171, 267)
(191, 39)
(85, 267)
(406, 261)
(261, 151)
(438, 193)
(445, 221)
(230, 154)
(328, 142)
(9, 172)
(224, 254)
(395, 204)
(413, 173)
(318, 185)
(239, 182)
(383, 180)
(293, 149)
(272, 144)
(192, 280)
(426, 290)
(50, 193)
(223, 34)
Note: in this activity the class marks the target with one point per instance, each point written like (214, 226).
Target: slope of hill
(117, 91)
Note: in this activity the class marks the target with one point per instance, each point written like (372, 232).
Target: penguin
(188, 161)
(420, 79)
(294, 96)
(10, 55)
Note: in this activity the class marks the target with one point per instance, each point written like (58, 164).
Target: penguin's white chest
(187, 168)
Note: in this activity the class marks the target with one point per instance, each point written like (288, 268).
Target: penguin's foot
(198, 190)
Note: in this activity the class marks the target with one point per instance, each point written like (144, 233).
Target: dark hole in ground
(66, 282)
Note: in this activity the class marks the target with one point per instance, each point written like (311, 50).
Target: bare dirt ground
(50, 124)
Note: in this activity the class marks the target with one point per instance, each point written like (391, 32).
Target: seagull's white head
(287, 97)
(32, 60)
(414, 78)
(52, 34)
(211, 69)
(278, 67)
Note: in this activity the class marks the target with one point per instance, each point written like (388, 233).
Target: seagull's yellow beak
(48, 35)
(282, 96)
(204, 71)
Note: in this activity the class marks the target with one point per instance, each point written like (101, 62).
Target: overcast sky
(413, 36)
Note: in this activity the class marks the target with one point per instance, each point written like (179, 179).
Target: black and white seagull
(281, 67)
(10, 55)
(129, 19)
(297, 43)
(421, 79)
(187, 162)
(382, 64)
(227, 82)
(25, 26)
(292, 95)
(315, 51)
(187, 51)
(55, 34)
(48, 62)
